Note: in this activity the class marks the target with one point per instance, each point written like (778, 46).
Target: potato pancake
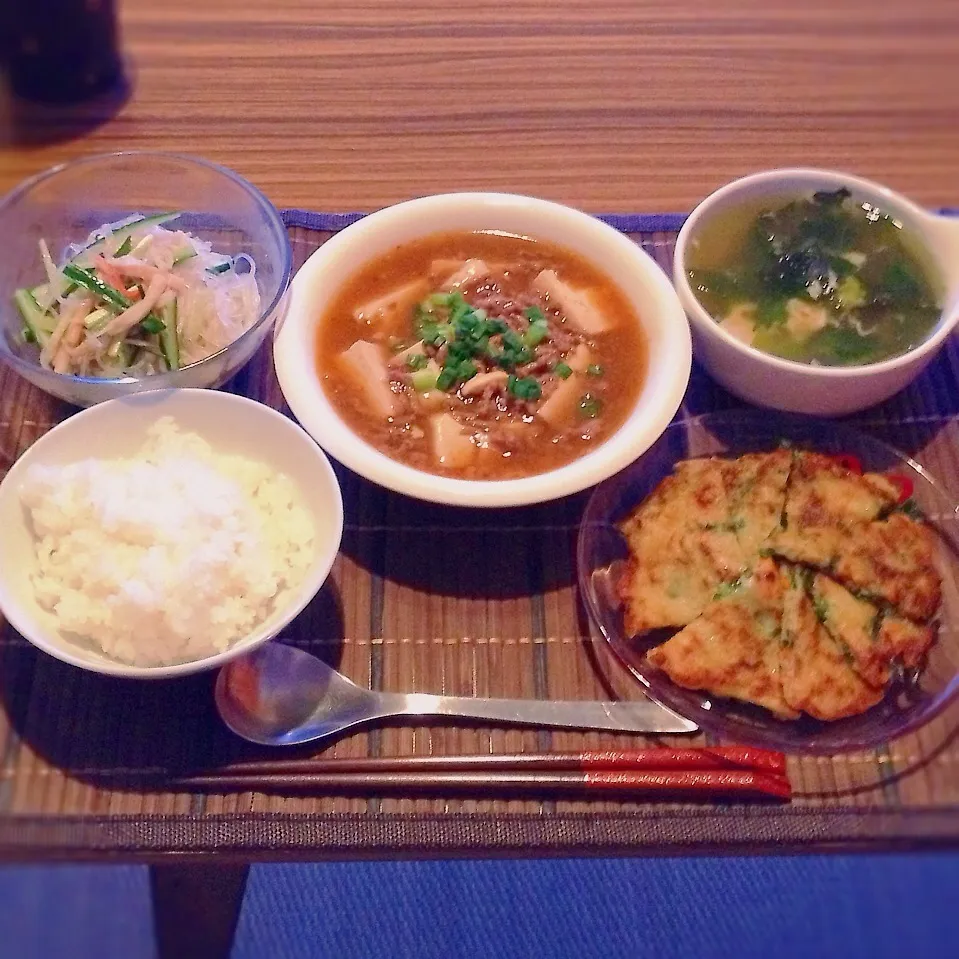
(825, 502)
(732, 649)
(817, 675)
(796, 582)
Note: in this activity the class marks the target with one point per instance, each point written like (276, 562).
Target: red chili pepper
(903, 484)
(850, 462)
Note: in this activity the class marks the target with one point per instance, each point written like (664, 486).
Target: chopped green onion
(458, 306)
(433, 333)
(563, 370)
(537, 332)
(124, 248)
(416, 361)
(424, 381)
(524, 387)
(454, 372)
(515, 351)
(153, 324)
(594, 369)
(27, 335)
(441, 299)
(534, 314)
(590, 406)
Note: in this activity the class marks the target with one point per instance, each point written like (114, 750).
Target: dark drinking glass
(62, 51)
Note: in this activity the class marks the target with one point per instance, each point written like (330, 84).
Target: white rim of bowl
(117, 668)
(704, 322)
(296, 371)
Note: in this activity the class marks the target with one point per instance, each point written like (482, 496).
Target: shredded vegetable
(135, 298)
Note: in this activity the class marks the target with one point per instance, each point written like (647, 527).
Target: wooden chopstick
(656, 758)
(713, 772)
(631, 784)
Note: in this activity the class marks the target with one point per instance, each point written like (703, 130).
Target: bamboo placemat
(433, 599)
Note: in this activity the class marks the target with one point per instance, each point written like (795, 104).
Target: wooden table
(610, 105)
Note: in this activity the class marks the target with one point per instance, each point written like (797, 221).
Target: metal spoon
(280, 695)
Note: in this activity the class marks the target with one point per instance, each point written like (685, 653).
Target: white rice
(170, 556)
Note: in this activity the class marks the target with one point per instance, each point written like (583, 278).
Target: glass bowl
(601, 552)
(64, 204)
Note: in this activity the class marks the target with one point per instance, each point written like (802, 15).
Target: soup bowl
(801, 387)
(637, 276)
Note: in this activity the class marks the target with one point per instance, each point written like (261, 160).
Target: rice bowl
(175, 575)
(191, 637)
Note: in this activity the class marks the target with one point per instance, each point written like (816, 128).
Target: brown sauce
(510, 430)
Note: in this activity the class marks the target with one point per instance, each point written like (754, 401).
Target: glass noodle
(137, 297)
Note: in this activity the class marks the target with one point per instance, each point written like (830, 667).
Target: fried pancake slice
(825, 503)
(893, 559)
(732, 649)
(816, 675)
(904, 640)
(758, 497)
(700, 527)
(670, 575)
(852, 622)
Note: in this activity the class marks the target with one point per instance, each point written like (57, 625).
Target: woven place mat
(433, 599)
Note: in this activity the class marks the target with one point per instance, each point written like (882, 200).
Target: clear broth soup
(822, 279)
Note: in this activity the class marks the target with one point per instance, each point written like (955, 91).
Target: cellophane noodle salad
(137, 297)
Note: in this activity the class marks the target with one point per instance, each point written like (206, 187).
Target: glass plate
(601, 551)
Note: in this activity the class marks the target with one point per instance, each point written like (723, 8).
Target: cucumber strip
(184, 255)
(41, 324)
(124, 248)
(121, 351)
(168, 338)
(95, 285)
(142, 245)
(152, 324)
(220, 268)
(97, 320)
(121, 233)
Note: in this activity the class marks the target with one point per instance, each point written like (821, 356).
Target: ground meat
(500, 417)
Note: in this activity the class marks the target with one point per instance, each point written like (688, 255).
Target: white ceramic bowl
(635, 273)
(800, 387)
(231, 424)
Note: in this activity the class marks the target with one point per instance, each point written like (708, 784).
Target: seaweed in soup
(822, 279)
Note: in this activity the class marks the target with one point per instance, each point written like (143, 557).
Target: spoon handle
(644, 716)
